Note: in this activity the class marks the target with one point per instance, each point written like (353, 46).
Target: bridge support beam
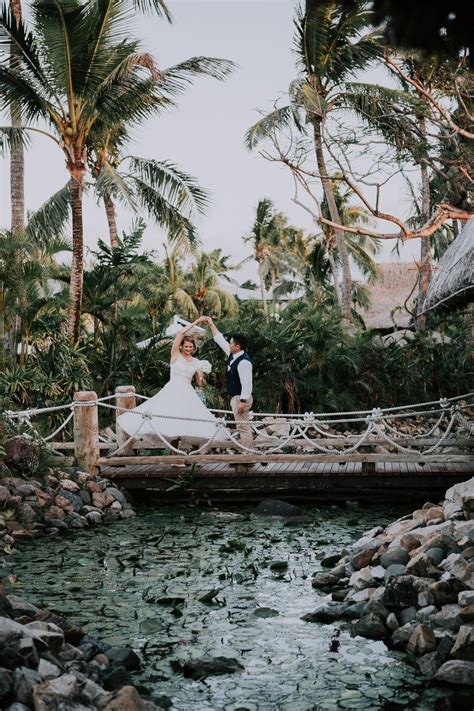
(125, 400)
(86, 431)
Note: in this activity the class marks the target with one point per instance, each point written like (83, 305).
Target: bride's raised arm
(180, 335)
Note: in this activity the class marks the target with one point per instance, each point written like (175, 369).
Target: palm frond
(50, 219)
(276, 120)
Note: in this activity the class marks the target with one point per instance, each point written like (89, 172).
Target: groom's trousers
(244, 428)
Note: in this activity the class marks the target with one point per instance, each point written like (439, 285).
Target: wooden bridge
(311, 459)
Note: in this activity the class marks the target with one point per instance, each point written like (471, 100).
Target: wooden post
(86, 431)
(126, 400)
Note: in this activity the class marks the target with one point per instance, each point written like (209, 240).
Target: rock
(6, 608)
(424, 614)
(73, 499)
(392, 622)
(467, 613)
(116, 494)
(57, 523)
(326, 613)
(20, 607)
(363, 556)
(49, 633)
(274, 507)
(422, 565)
(434, 512)
(101, 500)
(202, 667)
(394, 556)
(370, 626)
(125, 699)
(70, 485)
(445, 592)
(116, 506)
(123, 657)
(21, 453)
(324, 580)
(4, 494)
(25, 490)
(429, 664)
(460, 568)
(409, 541)
(399, 528)
(24, 681)
(361, 595)
(408, 614)
(422, 640)
(57, 693)
(404, 590)
(330, 560)
(464, 644)
(394, 571)
(361, 579)
(26, 514)
(47, 671)
(63, 503)
(6, 683)
(376, 607)
(54, 512)
(465, 598)
(453, 511)
(456, 671)
(128, 513)
(447, 618)
(94, 518)
(436, 555)
(115, 678)
(401, 636)
(462, 494)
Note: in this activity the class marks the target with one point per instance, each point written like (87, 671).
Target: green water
(138, 584)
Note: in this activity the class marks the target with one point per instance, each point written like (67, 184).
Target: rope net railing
(418, 429)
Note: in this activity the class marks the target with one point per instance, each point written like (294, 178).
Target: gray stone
(85, 496)
(20, 607)
(424, 614)
(392, 622)
(123, 657)
(453, 511)
(446, 592)
(57, 693)
(117, 494)
(5, 682)
(26, 514)
(24, 680)
(324, 580)
(394, 571)
(447, 618)
(464, 645)
(4, 494)
(436, 555)
(456, 671)
(429, 664)
(94, 518)
(401, 636)
(422, 565)
(115, 678)
(361, 579)
(49, 633)
(460, 568)
(375, 607)
(57, 523)
(465, 598)
(17, 707)
(462, 494)
(330, 612)
(408, 614)
(127, 513)
(46, 670)
(74, 499)
(362, 556)
(371, 626)
(274, 507)
(394, 556)
(25, 489)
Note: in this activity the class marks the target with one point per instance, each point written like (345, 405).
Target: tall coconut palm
(202, 284)
(17, 158)
(330, 47)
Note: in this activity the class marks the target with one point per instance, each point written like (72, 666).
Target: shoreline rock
(412, 586)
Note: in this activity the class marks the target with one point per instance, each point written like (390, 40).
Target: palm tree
(330, 47)
(17, 158)
(202, 284)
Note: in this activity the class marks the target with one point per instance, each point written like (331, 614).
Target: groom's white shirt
(244, 367)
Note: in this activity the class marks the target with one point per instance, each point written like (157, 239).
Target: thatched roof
(389, 294)
(453, 283)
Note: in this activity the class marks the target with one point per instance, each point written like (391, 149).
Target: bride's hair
(190, 339)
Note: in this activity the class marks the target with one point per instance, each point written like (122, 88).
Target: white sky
(204, 136)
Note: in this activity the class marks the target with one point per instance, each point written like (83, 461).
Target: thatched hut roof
(388, 296)
(453, 283)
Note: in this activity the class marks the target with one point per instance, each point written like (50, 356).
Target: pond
(186, 582)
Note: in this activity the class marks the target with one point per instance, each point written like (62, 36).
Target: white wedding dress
(176, 399)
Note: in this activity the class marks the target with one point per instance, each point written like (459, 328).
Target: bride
(177, 399)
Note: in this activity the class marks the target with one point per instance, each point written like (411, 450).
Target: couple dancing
(178, 399)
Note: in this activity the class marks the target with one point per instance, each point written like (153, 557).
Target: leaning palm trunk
(333, 266)
(333, 211)
(17, 158)
(425, 247)
(263, 295)
(77, 268)
(111, 220)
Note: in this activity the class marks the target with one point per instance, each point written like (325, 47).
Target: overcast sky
(205, 134)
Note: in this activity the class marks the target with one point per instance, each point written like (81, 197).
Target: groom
(239, 380)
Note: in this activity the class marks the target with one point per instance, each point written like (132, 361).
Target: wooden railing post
(86, 431)
(126, 400)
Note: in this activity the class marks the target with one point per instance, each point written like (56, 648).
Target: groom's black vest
(234, 386)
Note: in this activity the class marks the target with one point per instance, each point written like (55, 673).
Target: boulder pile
(412, 586)
(47, 663)
(57, 502)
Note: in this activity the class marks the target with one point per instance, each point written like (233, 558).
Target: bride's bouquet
(205, 367)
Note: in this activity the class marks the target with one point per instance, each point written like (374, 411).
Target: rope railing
(304, 431)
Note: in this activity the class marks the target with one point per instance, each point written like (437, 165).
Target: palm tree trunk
(17, 158)
(332, 264)
(333, 211)
(111, 220)
(262, 292)
(425, 247)
(77, 268)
